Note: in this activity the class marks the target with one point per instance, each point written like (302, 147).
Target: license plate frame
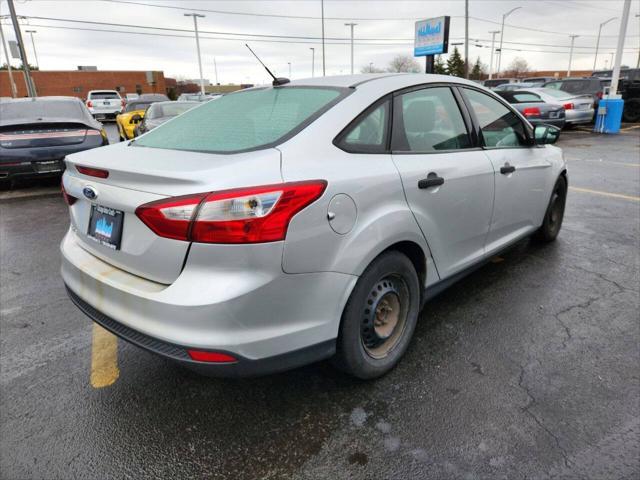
(105, 226)
(48, 166)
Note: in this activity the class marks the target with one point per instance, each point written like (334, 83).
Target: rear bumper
(28, 169)
(579, 116)
(265, 318)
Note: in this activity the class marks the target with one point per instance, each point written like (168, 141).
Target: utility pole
(595, 58)
(33, 43)
(14, 90)
(31, 88)
(466, 38)
(493, 42)
(615, 76)
(215, 69)
(195, 26)
(351, 25)
(370, 67)
(573, 39)
(323, 63)
(504, 16)
(313, 61)
(289, 64)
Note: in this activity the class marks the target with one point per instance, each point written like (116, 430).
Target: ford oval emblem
(90, 193)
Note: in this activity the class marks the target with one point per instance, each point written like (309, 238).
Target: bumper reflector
(211, 357)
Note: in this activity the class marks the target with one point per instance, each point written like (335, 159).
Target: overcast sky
(388, 23)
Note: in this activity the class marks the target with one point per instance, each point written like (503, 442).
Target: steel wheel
(384, 316)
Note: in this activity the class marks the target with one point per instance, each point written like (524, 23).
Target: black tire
(631, 112)
(555, 213)
(389, 278)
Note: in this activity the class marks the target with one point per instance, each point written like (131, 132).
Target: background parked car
(535, 108)
(196, 97)
(508, 87)
(628, 87)
(538, 81)
(161, 112)
(578, 108)
(579, 86)
(37, 133)
(104, 104)
(494, 82)
(134, 113)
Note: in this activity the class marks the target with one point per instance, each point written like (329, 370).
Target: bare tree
(518, 67)
(403, 63)
(371, 69)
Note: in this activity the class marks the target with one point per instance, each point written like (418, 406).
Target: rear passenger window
(428, 120)
(501, 128)
(370, 133)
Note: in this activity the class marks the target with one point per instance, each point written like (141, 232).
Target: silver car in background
(282, 225)
(578, 108)
(535, 108)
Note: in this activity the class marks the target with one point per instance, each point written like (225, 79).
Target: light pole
(370, 67)
(466, 38)
(14, 90)
(31, 87)
(615, 74)
(493, 42)
(313, 61)
(215, 70)
(595, 58)
(573, 39)
(351, 25)
(504, 16)
(289, 64)
(33, 43)
(323, 62)
(195, 26)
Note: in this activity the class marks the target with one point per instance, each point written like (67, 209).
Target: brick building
(77, 83)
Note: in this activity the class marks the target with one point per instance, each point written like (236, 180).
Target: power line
(339, 40)
(362, 19)
(302, 42)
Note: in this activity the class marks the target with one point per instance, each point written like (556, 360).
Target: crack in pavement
(527, 410)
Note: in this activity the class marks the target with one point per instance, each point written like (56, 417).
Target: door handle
(506, 169)
(432, 180)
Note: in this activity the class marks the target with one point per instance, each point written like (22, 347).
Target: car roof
(43, 99)
(353, 81)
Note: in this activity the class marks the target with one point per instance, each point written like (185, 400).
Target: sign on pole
(431, 36)
(13, 48)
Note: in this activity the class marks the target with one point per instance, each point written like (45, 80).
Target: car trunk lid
(44, 135)
(139, 175)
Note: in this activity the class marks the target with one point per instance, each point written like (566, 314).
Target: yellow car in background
(133, 114)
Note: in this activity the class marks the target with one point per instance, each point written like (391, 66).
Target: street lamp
(351, 25)
(313, 61)
(33, 43)
(493, 42)
(595, 58)
(504, 16)
(195, 26)
(573, 39)
(289, 64)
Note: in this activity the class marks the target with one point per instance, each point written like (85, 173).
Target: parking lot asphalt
(528, 368)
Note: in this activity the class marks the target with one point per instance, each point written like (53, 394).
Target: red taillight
(568, 106)
(68, 199)
(531, 112)
(92, 172)
(89, 103)
(211, 357)
(242, 215)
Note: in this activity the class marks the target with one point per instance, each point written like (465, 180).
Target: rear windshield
(244, 121)
(41, 109)
(103, 95)
(574, 86)
(520, 97)
(556, 93)
(131, 106)
(158, 110)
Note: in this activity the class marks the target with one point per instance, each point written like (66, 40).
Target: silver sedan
(282, 225)
(578, 108)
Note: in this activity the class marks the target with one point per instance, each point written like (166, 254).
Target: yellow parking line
(606, 194)
(104, 358)
(629, 128)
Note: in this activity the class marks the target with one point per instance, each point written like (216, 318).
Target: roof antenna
(276, 80)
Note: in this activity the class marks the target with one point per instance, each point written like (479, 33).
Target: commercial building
(78, 82)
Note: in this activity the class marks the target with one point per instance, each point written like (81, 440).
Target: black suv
(629, 88)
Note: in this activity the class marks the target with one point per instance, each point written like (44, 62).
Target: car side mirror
(136, 118)
(546, 134)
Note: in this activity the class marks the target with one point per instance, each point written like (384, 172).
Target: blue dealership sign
(431, 36)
